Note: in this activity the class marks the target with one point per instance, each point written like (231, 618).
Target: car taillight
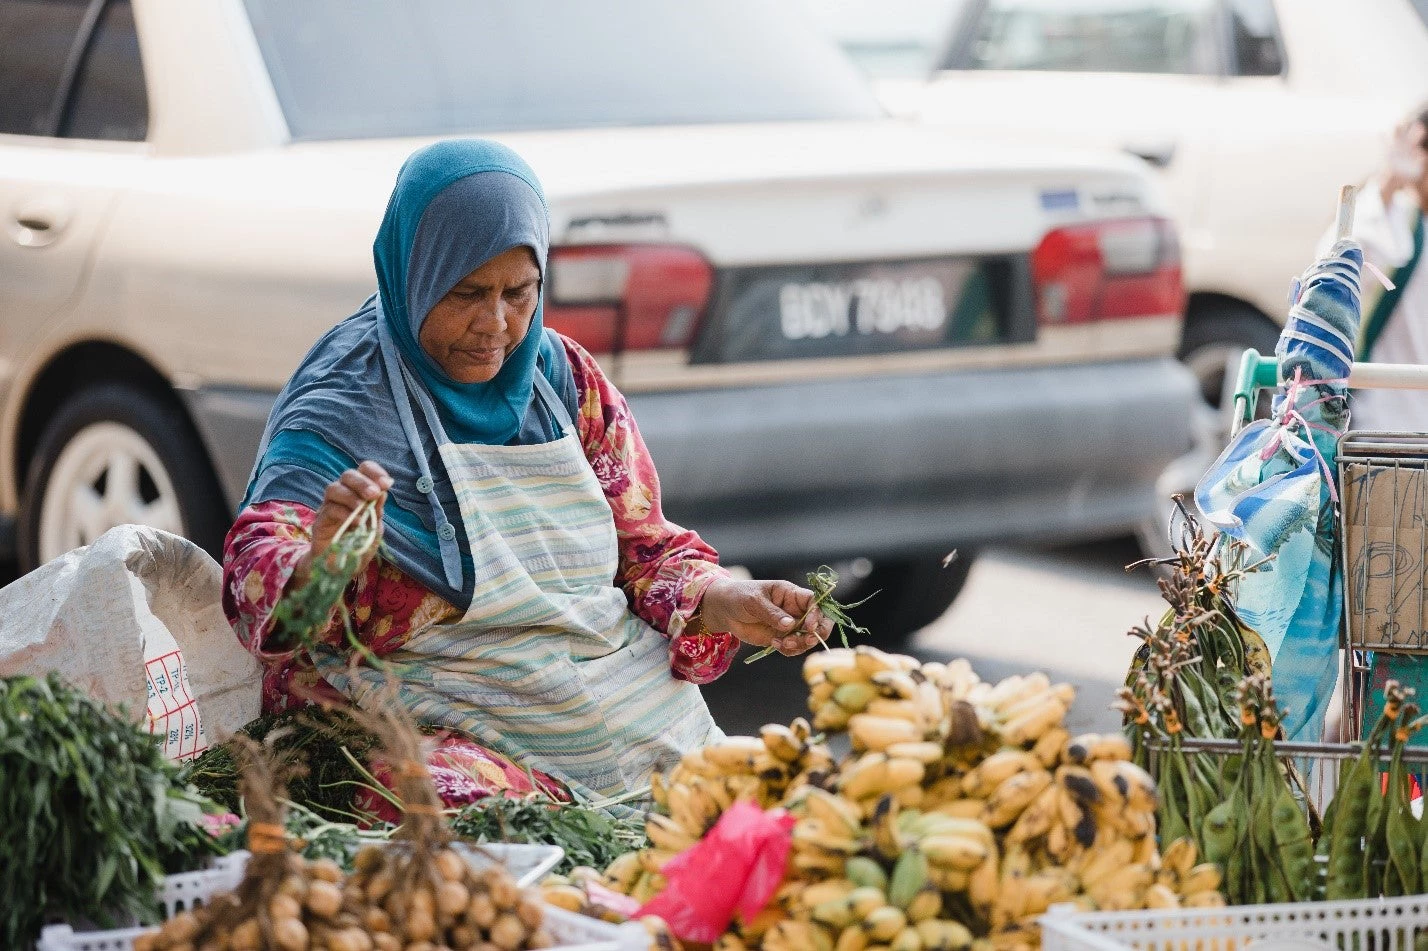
(1108, 270)
(615, 298)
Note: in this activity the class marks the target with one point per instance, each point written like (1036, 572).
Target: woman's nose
(489, 317)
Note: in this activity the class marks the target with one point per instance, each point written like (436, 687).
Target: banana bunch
(964, 810)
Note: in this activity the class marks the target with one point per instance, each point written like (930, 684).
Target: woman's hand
(761, 613)
(369, 482)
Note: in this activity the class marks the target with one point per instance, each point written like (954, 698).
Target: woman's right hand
(369, 482)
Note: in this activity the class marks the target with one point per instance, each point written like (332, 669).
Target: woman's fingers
(363, 486)
(377, 474)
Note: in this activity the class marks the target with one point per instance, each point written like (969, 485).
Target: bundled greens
(591, 837)
(306, 610)
(330, 743)
(821, 583)
(92, 816)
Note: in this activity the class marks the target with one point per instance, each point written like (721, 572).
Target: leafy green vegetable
(312, 736)
(92, 816)
(821, 583)
(305, 611)
(590, 836)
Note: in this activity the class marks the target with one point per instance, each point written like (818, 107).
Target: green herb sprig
(821, 583)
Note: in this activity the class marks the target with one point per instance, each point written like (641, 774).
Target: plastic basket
(179, 893)
(1374, 924)
(528, 863)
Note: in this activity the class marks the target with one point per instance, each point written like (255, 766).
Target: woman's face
(471, 331)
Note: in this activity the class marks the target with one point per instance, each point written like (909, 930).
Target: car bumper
(899, 466)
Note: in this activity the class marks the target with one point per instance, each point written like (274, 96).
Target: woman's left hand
(761, 613)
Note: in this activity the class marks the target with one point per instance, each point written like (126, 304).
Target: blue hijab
(457, 204)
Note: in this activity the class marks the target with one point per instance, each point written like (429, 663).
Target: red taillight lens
(1108, 270)
(614, 298)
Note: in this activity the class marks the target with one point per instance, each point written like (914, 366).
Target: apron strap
(554, 404)
(402, 392)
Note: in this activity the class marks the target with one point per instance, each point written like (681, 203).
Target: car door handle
(1159, 154)
(35, 225)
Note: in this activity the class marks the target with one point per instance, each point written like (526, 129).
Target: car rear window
(1114, 36)
(431, 67)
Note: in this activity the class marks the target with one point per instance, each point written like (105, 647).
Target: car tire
(1216, 334)
(117, 454)
(911, 594)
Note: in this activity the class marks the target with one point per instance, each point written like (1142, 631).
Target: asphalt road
(1064, 611)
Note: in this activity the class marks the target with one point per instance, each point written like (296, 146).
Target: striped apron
(548, 665)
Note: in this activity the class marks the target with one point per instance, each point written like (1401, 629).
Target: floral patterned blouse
(663, 569)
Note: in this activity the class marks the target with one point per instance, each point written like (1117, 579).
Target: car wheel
(114, 455)
(911, 594)
(1216, 336)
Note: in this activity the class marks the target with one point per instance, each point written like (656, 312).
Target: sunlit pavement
(1064, 611)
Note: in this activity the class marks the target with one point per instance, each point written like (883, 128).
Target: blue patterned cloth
(1273, 488)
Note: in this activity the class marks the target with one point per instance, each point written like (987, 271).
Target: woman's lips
(483, 354)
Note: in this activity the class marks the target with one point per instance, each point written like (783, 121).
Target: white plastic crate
(1375, 924)
(528, 863)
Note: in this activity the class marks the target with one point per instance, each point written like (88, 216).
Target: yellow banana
(907, 940)
(817, 861)
(733, 753)
(884, 923)
(852, 938)
(836, 913)
(955, 851)
(937, 823)
(1122, 889)
(873, 774)
(797, 936)
(683, 809)
(1161, 896)
(1009, 692)
(818, 893)
(896, 683)
(897, 709)
(781, 743)
(729, 941)
(820, 693)
(801, 729)
(1205, 899)
(845, 675)
(1132, 823)
(564, 896)
(1044, 889)
(1134, 783)
(948, 880)
(909, 796)
(944, 935)
(1030, 725)
(834, 812)
(812, 833)
(1103, 860)
(927, 904)
(621, 874)
(1032, 701)
(866, 900)
(1036, 819)
(878, 733)
(1090, 747)
(665, 833)
(653, 860)
(996, 769)
(1048, 748)
(925, 751)
(659, 790)
(961, 808)
(984, 882)
(872, 661)
(930, 705)
(1059, 841)
(1179, 856)
(821, 662)
(1205, 877)
(1010, 798)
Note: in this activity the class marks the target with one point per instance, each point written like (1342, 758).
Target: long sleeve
(664, 569)
(385, 606)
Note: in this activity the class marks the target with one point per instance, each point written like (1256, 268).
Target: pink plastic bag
(737, 867)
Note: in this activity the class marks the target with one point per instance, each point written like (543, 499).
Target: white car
(1254, 112)
(843, 337)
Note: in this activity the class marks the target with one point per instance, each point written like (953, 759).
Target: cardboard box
(1385, 546)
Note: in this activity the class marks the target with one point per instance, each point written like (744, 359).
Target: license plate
(790, 312)
(820, 309)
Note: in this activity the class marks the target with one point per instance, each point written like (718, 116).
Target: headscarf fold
(456, 205)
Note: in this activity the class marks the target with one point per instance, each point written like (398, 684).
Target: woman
(530, 594)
